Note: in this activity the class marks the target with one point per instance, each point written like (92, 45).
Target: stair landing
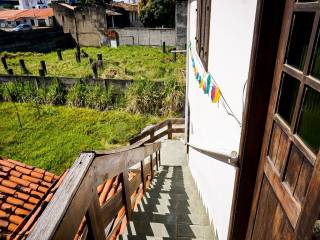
(171, 208)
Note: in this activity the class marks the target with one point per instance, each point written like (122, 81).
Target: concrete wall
(211, 128)
(39, 40)
(181, 23)
(146, 36)
(87, 25)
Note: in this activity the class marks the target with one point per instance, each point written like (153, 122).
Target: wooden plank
(94, 219)
(135, 183)
(284, 145)
(303, 181)
(178, 130)
(274, 144)
(295, 161)
(311, 206)
(291, 207)
(110, 209)
(52, 216)
(126, 193)
(266, 210)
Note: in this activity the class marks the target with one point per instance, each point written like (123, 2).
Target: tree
(157, 13)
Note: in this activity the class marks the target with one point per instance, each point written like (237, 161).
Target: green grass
(54, 140)
(125, 62)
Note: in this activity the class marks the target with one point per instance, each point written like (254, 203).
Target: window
(203, 30)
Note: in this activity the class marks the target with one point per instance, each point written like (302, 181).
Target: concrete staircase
(171, 208)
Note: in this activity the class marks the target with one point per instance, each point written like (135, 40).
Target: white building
(29, 4)
(243, 56)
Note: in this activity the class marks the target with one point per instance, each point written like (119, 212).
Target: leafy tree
(156, 13)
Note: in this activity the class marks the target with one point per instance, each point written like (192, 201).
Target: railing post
(151, 167)
(157, 161)
(169, 130)
(143, 176)
(126, 193)
(94, 222)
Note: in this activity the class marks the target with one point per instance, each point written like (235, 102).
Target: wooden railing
(76, 202)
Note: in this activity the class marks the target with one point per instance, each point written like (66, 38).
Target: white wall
(231, 32)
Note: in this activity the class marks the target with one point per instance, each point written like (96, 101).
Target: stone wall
(87, 25)
(146, 36)
(39, 40)
(181, 23)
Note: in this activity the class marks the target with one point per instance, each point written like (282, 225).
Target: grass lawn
(54, 140)
(125, 62)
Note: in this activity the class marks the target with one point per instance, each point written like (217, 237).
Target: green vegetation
(142, 96)
(125, 62)
(54, 139)
(157, 13)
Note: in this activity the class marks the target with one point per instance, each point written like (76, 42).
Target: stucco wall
(87, 25)
(211, 128)
(146, 36)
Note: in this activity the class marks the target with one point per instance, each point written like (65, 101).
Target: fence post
(169, 130)
(94, 70)
(43, 66)
(9, 71)
(164, 47)
(4, 62)
(126, 193)
(41, 72)
(23, 66)
(59, 55)
(151, 167)
(174, 55)
(157, 161)
(143, 176)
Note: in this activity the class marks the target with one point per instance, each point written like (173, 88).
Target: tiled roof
(126, 6)
(12, 15)
(25, 191)
(22, 189)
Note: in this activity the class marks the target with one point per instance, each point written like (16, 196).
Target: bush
(173, 102)
(55, 94)
(97, 97)
(76, 95)
(144, 97)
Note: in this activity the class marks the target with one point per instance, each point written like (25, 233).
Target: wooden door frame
(267, 30)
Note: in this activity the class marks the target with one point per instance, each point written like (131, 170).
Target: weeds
(142, 96)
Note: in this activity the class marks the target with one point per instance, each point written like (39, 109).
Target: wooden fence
(77, 197)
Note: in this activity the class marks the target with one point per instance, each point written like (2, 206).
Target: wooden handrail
(160, 130)
(77, 197)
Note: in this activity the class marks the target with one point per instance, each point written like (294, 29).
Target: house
(253, 120)
(86, 24)
(34, 17)
(38, 4)
(128, 17)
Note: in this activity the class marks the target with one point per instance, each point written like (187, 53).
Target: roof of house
(22, 188)
(112, 13)
(126, 6)
(12, 15)
(25, 191)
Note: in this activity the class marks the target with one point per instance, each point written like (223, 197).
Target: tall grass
(142, 96)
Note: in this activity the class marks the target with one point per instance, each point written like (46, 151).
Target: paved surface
(172, 208)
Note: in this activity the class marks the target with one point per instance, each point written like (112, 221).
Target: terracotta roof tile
(22, 188)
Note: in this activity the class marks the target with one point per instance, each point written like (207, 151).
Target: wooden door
(286, 200)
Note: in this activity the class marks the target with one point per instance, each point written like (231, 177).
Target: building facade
(253, 120)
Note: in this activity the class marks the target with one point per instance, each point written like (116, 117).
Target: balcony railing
(76, 204)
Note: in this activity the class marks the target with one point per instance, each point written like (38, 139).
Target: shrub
(76, 95)
(97, 97)
(55, 94)
(144, 97)
(173, 102)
